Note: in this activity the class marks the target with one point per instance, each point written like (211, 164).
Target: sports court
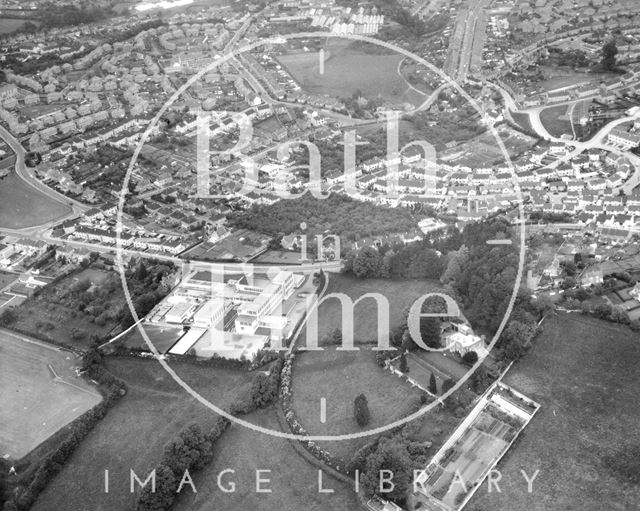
(40, 393)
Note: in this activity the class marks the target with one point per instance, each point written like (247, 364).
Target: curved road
(28, 177)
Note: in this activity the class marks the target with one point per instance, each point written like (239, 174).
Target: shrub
(361, 410)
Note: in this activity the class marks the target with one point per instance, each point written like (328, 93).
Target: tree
(609, 52)
(8, 317)
(447, 385)
(433, 386)
(163, 497)
(391, 455)
(361, 410)
(456, 265)
(367, 263)
(470, 358)
(404, 368)
(430, 331)
(141, 272)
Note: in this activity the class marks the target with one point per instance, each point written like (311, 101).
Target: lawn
(556, 120)
(400, 294)
(584, 374)
(294, 481)
(523, 121)
(23, 206)
(134, 432)
(348, 70)
(339, 376)
(34, 406)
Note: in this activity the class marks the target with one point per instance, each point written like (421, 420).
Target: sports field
(347, 70)
(34, 403)
(134, 432)
(23, 206)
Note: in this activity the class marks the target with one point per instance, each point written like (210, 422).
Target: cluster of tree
(411, 261)
(68, 15)
(262, 392)
(483, 276)
(397, 453)
(612, 313)
(609, 56)
(190, 451)
(337, 214)
(146, 281)
(112, 389)
(568, 58)
(441, 127)
(550, 218)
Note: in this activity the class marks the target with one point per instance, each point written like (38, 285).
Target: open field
(556, 120)
(566, 77)
(23, 206)
(34, 404)
(294, 481)
(348, 70)
(11, 25)
(134, 432)
(584, 374)
(400, 294)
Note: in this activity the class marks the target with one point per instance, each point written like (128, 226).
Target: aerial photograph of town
(319, 255)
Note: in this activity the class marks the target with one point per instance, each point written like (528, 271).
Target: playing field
(134, 432)
(23, 206)
(34, 403)
(349, 70)
(584, 373)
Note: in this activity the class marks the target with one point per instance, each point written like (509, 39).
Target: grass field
(584, 374)
(23, 206)
(340, 376)
(348, 70)
(294, 482)
(134, 432)
(11, 25)
(523, 121)
(556, 120)
(400, 294)
(33, 404)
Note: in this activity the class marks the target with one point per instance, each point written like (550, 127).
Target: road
(461, 46)
(27, 175)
